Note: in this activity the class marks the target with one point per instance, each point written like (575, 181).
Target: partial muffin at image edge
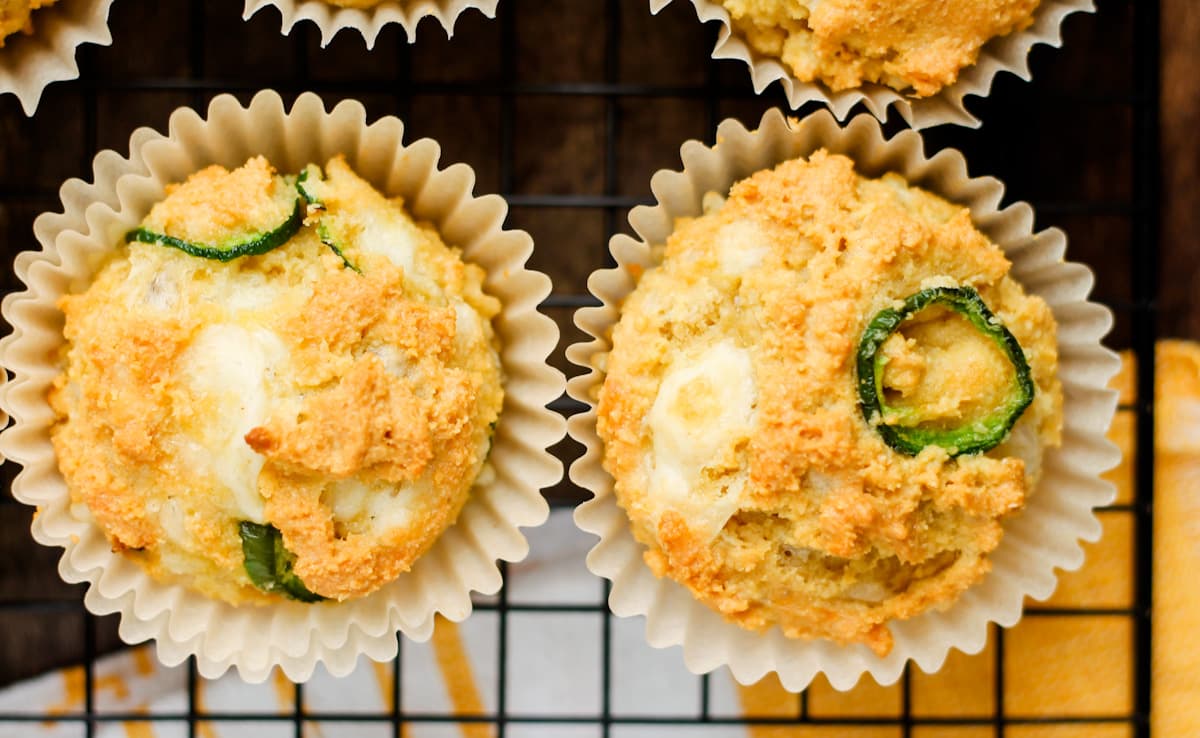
(281, 386)
(828, 402)
(333, 341)
(39, 40)
(736, 424)
(845, 44)
(905, 55)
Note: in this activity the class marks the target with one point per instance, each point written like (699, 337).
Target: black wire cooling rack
(565, 107)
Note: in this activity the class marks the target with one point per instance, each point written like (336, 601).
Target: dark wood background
(1066, 142)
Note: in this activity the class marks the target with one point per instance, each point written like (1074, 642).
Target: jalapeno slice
(269, 564)
(271, 237)
(974, 437)
(310, 184)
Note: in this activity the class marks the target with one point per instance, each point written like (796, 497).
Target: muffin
(831, 384)
(922, 58)
(17, 15)
(283, 386)
(916, 47)
(745, 451)
(331, 369)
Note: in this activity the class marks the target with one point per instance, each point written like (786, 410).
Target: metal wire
(1139, 308)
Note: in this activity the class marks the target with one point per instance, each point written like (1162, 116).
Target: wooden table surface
(1047, 151)
(1180, 206)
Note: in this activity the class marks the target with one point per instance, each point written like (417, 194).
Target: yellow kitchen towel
(1175, 693)
(1057, 664)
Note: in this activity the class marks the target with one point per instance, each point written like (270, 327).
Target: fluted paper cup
(1002, 54)
(290, 635)
(331, 19)
(1037, 542)
(28, 63)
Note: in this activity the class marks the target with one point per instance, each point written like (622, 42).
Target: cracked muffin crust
(338, 389)
(913, 46)
(732, 426)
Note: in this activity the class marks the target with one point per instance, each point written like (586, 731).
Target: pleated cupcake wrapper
(1004, 54)
(29, 63)
(1045, 537)
(290, 635)
(331, 19)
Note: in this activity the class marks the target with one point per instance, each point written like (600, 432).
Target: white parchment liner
(369, 22)
(1004, 54)
(292, 635)
(1043, 538)
(29, 63)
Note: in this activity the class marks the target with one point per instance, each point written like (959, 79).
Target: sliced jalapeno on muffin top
(266, 214)
(269, 564)
(330, 228)
(906, 429)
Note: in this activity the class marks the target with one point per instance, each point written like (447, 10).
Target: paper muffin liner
(290, 635)
(369, 22)
(28, 63)
(1045, 537)
(1003, 54)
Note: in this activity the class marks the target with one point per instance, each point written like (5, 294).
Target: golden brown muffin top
(731, 420)
(348, 403)
(914, 46)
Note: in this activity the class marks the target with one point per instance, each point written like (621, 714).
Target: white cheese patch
(153, 285)
(253, 291)
(377, 507)
(228, 370)
(386, 233)
(703, 411)
(741, 246)
(396, 363)
(171, 517)
(468, 326)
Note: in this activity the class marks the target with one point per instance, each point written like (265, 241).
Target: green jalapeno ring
(269, 564)
(974, 438)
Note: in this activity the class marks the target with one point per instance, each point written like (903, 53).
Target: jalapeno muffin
(822, 404)
(283, 387)
(913, 46)
(17, 15)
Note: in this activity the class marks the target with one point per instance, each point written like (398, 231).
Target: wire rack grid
(1112, 207)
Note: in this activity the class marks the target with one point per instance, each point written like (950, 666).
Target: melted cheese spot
(700, 419)
(741, 246)
(377, 507)
(228, 371)
(255, 291)
(154, 287)
(467, 324)
(393, 237)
